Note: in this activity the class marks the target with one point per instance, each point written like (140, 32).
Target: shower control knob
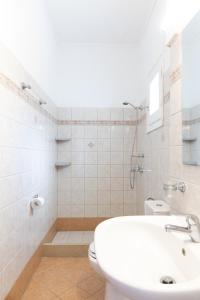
(140, 169)
(91, 145)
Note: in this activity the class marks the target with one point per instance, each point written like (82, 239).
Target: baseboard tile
(61, 224)
(65, 250)
(78, 224)
(22, 282)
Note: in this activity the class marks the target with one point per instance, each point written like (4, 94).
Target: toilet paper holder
(150, 199)
(36, 202)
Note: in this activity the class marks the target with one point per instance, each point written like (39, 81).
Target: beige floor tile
(59, 286)
(57, 282)
(91, 285)
(53, 265)
(98, 296)
(65, 278)
(39, 294)
(77, 276)
(75, 294)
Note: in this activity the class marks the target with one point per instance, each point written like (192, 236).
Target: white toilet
(152, 207)
(93, 259)
(156, 207)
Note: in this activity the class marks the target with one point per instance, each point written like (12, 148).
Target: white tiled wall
(163, 153)
(191, 152)
(96, 182)
(27, 158)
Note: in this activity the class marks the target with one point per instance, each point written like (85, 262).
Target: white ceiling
(99, 21)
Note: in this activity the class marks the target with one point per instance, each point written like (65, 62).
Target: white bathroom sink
(134, 253)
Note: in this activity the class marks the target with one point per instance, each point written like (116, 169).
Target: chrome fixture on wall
(134, 154)
(139, 155)
(132, 171)
(25, 86)
(140, 169)
(178, 186)
(140, 107)
(42, 102)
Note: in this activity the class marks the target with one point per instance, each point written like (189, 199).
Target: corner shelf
(189, 140)
(190, 163)
(60, 140)
(62, 164)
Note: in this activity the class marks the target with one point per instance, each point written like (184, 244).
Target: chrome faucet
(192, 228)
(139, 169)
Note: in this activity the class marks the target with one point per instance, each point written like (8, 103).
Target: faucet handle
(192, 220)
(194, 225)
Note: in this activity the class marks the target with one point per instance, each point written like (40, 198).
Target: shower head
(140, 107)
(25, 86)
(42, 102)
(128, 103)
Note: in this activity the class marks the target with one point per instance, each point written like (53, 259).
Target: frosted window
(154, 97)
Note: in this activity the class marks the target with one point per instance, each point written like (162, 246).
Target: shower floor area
(73, 238)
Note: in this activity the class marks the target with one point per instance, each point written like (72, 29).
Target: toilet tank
(156, 207)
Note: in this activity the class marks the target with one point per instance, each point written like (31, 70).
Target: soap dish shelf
(189, 140)
(62, 164)
(190, 163)
(60, 140)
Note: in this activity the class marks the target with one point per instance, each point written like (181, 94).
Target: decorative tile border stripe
(33, 101)
(97, 123)
(20, 285)
(28, 98)
(176, 75)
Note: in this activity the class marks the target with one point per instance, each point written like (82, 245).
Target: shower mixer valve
(140, 169)
(139, 155)
(134, 154)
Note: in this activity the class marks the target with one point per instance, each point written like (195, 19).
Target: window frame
(155, 120)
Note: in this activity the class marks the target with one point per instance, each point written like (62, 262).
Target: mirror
(191, 92)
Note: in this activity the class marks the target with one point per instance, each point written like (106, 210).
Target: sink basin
(136, 255)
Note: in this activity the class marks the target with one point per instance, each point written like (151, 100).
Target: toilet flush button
(91, 145)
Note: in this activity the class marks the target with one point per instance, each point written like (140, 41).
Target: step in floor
(69, 244)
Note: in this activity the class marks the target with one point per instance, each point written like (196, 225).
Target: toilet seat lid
(92, 248)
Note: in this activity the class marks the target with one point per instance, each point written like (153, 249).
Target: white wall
(178, 14)
(191, 63)
(152, 43)
(163, 147)
(27, 157)
(87, 74)
(26, 31)
(91, 74)
(168, 18)
(97, 75)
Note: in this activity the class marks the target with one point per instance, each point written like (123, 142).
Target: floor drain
(167, 280)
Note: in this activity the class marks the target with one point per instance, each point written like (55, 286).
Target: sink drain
(167, 280)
